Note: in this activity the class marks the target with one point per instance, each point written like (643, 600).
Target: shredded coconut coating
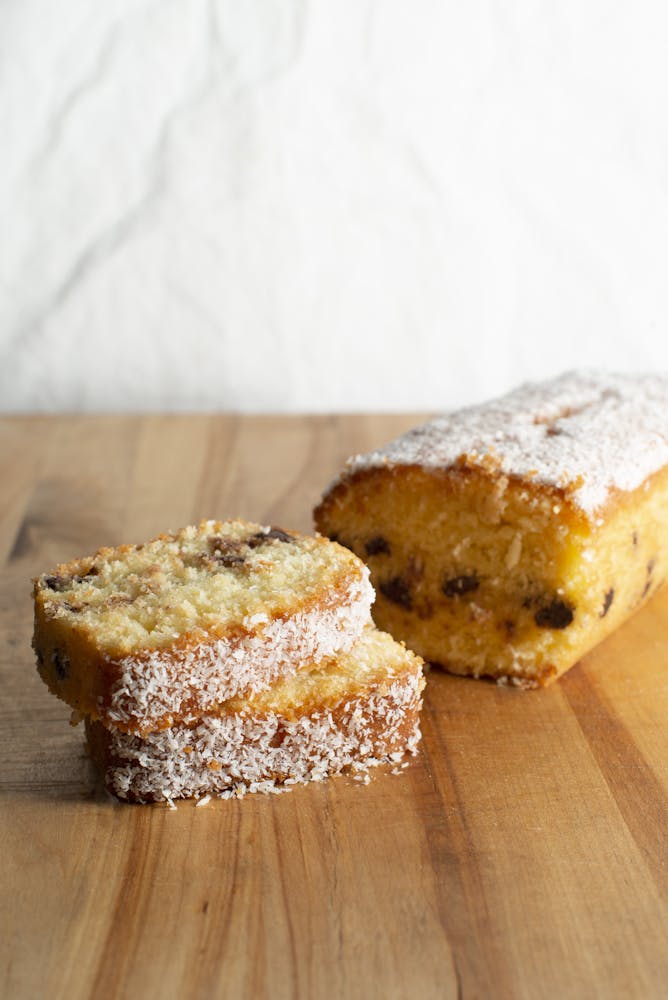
(152, 688)
(587, 433)
(232, 754)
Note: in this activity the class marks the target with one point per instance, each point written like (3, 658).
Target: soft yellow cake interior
(490, 575)
(207, 578)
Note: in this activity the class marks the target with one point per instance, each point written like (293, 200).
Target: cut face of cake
(507, 539)
(141, 636)
(348, 712)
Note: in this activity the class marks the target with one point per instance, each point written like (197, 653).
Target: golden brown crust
(450, 480)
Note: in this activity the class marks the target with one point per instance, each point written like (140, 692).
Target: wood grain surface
(521, 854)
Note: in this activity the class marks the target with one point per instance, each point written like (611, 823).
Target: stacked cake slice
(224, 658)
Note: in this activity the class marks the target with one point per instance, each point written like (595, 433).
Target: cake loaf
(507, 539)
(143, 636)
(347, 713)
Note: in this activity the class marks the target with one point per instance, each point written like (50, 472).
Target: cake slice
(347, 713)
(507, 539)
(143, 636)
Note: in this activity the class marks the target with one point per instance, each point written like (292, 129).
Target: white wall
(325, 205)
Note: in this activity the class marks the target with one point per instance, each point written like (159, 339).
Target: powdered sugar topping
(586, 432)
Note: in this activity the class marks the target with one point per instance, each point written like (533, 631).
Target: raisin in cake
(346, 713)
(142, 636)
(507, 539)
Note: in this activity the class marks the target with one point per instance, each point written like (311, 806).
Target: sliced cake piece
(141, 636)
(508, 538)
(347, 713)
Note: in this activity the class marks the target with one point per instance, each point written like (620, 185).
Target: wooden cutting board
(521, 854)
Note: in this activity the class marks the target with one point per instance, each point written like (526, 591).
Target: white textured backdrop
(317, 204)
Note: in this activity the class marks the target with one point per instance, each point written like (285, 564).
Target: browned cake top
(588, 433)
